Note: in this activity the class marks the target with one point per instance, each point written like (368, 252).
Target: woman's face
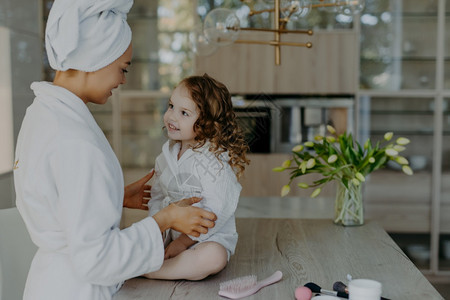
(99, 84)
(180, 117)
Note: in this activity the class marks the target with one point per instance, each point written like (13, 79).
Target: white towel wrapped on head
(87, 35)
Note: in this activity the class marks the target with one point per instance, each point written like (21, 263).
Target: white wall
(22, 19)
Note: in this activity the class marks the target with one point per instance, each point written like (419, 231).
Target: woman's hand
(137, 194)
(185, 218)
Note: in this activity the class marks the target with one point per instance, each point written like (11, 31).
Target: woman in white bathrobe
(68, 181)
(204, 157)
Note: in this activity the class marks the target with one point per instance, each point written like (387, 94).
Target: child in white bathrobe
(204, 157)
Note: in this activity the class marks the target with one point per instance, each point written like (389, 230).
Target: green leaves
(340, 157)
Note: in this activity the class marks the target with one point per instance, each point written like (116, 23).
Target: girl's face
(180, 117)
(99, 84)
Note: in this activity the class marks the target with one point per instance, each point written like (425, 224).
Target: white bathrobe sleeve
(89, 210)
(221, 196)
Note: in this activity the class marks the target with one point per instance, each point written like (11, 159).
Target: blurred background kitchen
(384, 69)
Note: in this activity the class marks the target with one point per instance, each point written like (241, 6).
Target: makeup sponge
(303, 293)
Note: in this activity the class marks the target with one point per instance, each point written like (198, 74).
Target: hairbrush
(245, 286)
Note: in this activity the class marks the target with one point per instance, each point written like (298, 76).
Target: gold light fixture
(221, 26)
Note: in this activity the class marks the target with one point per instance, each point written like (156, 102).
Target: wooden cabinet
(329, 67)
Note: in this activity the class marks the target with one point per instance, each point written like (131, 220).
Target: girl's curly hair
(217, 121)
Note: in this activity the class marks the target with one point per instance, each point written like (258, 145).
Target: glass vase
(349, 210)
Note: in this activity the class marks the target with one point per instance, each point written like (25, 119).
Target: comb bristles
(238, 285)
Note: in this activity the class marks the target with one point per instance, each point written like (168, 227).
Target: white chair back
(16, 253)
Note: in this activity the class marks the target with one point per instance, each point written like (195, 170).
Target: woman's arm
(90, 193)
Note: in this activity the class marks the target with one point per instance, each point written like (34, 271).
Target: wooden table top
(305, 250)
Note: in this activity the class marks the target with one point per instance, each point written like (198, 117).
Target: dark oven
(255, 119)
(278, 123)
